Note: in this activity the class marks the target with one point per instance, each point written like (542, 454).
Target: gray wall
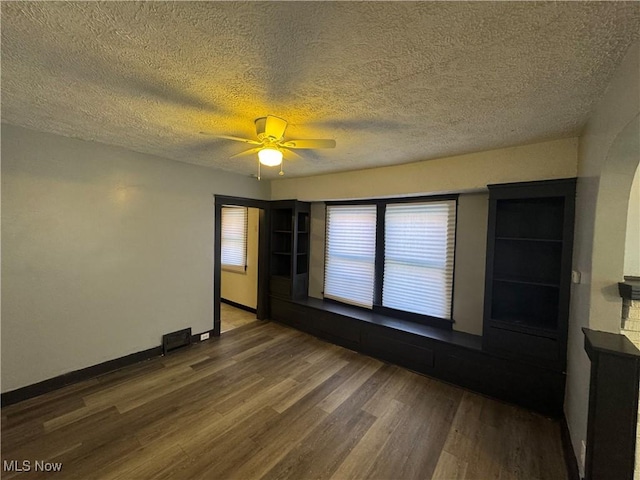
(103, 251)
(471, 241)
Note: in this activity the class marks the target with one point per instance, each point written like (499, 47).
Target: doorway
(239, 292)
(239, 265)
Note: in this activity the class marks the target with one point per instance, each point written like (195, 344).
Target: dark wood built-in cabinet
(289, 271)
(521, 355)
(455, 357)
(528, 271)
(613, 406)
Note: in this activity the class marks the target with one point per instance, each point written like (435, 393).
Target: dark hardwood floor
(266, 401)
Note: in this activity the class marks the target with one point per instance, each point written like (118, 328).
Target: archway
(610, 228)
(611, 250)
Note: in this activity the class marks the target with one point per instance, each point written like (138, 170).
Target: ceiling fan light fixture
(270, 157)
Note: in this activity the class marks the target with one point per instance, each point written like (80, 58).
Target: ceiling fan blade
(317, 143)
(291, 154)
(275, 127)
(246, 152)
(237, 139)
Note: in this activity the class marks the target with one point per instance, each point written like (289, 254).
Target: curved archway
(609, 247)
(610, 226)
(632, 245)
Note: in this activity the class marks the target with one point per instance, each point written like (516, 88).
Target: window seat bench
(452, 356)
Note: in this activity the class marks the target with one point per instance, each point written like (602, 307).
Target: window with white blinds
(350, 254)
(418, 257)
(234, 238)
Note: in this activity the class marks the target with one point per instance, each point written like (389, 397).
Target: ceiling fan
(271, 145)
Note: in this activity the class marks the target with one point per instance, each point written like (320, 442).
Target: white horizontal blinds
(350, 254)
(234, 237)
(418, 264)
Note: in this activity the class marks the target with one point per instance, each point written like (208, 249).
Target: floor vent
(175, 340)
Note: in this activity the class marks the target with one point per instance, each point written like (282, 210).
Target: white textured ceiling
(391, 82)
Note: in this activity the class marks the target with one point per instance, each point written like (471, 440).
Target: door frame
(262, 308)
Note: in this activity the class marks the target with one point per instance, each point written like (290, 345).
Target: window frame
(241, 269)
(381, 205)
(326, 249)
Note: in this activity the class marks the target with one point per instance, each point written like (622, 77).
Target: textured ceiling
(391, 82)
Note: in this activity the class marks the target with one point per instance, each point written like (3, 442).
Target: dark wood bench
(452, 356)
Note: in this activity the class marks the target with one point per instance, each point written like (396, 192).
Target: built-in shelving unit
(289, 271)
(519, 358)
(528, 272)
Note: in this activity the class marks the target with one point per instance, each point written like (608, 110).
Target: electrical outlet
(204, 336)
(583, 453)
(576, 276)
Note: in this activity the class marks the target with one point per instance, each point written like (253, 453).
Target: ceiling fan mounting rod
(270, 143)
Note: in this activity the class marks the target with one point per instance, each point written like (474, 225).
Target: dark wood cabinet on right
(528, 271)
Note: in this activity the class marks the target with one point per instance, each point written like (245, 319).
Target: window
(350, 254)
(410, 269)
(419, 240)
(234, 238)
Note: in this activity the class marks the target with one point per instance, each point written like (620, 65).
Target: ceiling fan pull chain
(281, 172)
(258, 169)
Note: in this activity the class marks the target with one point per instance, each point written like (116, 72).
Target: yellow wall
(465, 173)
(239, 287)
(471, 172)
(471, 254)
(632, 243)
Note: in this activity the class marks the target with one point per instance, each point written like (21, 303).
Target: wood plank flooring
(231, 317)
(266, 401)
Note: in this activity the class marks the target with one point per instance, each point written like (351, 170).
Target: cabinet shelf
(525, 326)
(524, 281)
(530, 239)
(527, 283)
(539, 216)
(535, 263)
(289, 267)
(282, 277)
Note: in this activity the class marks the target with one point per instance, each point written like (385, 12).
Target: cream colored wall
(103, 251)
(632, 242)
(465, 173)
(471, 254)
(608, 158)
(539, 161)
(239, 287)
(316, 249)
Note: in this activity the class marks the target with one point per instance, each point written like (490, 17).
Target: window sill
(238, 270)
(449, 336)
